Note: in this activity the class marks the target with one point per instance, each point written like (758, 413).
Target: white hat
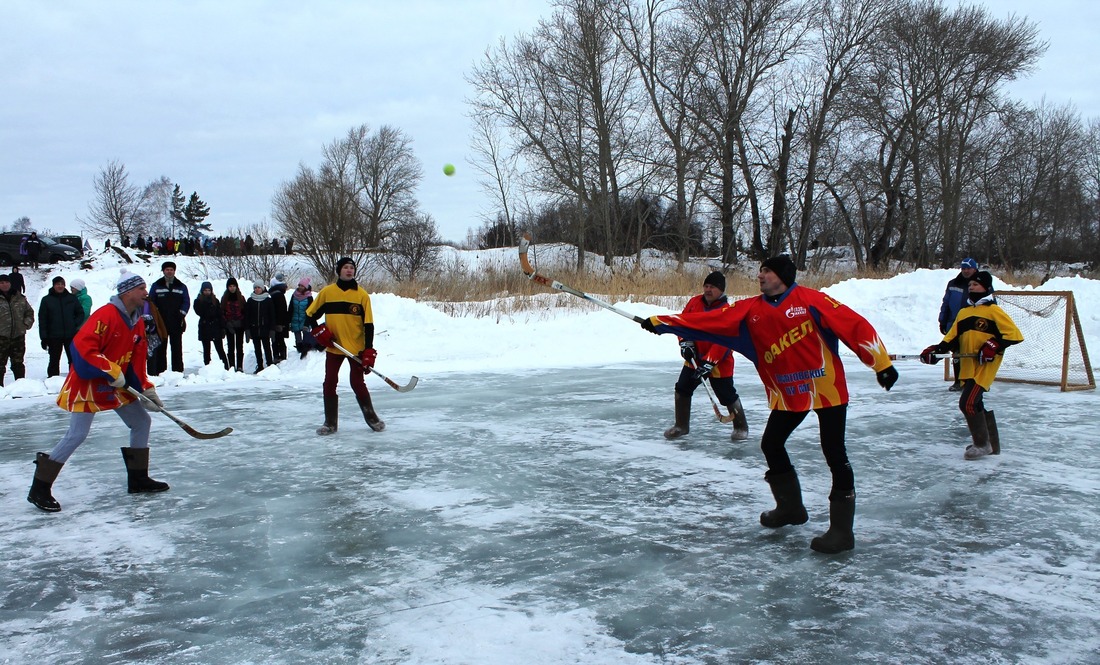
(258, 285)
(77, 284)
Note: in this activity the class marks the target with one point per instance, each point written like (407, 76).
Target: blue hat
(969, 263)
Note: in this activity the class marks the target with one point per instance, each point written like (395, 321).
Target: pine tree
(177, 208)
(193, 215)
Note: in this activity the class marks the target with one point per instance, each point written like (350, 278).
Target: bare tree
(256, 267)
(498, 167)
(116, 209)
(411, 249)
(382, 175)
(318, 210)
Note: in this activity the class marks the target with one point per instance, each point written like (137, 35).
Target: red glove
(368, 356)
(323, 336)
(928, 356)
(987, 353)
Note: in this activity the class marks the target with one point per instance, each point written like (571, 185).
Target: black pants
(54, 347)
(832, 422)
(723, 388)
(13, 350)
(262, 346)
(972, 401)
(176, 340)
(278, 346)
(217, 347)
(234, 341)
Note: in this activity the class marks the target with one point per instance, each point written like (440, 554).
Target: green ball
(448, 169)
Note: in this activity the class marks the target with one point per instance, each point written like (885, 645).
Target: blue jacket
(298, 313)
(954, 299)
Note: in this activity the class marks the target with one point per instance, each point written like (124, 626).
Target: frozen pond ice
(542, 518)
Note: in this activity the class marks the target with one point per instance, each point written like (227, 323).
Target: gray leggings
(133, 414)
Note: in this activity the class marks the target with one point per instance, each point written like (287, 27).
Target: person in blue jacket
(954, 299)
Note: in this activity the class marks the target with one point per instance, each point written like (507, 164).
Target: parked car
(52, 250)
(72, 241)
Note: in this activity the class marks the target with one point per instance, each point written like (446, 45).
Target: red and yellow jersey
(973, 326)
(108, 344)
(347, 314)
(793, 342)
(721, 356)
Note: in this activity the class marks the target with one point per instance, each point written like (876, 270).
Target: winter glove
(647, 325)
(152, 400)
(119, 382)
(887, 378)
(367, 357)
(687, 350)
(45, 345)
(987, 352)
(323, 335)
(704, 370)
(928, 356)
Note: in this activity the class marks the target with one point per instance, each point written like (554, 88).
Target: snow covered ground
(522, 506)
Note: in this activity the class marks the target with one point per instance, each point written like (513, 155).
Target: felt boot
(332, 413)
(369, 415)
(979, 432)
(994, 436)
(683, 417)
(788, 501)
(45, 473)
(740, 423)
(137, 472)
(839, 537)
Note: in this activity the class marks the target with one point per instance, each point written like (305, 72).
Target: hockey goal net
(1053, 352)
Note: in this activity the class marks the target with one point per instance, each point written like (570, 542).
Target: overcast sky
(226, 98)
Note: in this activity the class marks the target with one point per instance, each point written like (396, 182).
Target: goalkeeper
(710, 362)
(981, 331)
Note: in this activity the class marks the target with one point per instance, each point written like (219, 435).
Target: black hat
(5, 278)
(168, 264)
(232, 281)
(985, 279)
(58, 279)
(783, 267)
(717, 280)
(344, 260)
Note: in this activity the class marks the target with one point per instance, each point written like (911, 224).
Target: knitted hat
(985, 279)
(232, 281)
(258, 285)
(783, 267)
(205, 286)
(344, 260)
(304, 282)
(168, 264)
(128, 281)
(5, 278)
(969, 263)
(58, 280)
(77, 284)
(280, 278)
(717, 280)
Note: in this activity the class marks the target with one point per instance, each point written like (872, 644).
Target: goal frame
(1072, 331)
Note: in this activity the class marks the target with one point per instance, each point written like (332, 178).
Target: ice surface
(540, 517)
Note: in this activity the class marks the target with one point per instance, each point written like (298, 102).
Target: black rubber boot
(994, 436)
(839, 537)
(788, 501)
(137, 472)
(45, 473)
(332, 413)
(979, 432)
(740, 423)
(369, 415)
(683, 418)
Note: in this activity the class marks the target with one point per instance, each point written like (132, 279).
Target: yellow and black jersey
(347, 314)
(973, 326)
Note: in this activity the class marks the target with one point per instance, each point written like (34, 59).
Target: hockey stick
(916, 356)
(713, 402)
(324, 337)
(392, 384)
(186, 428)
(525, 265)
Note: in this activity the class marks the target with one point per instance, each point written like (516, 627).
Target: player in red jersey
(792, 334)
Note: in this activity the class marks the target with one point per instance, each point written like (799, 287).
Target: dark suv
(51, 252)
